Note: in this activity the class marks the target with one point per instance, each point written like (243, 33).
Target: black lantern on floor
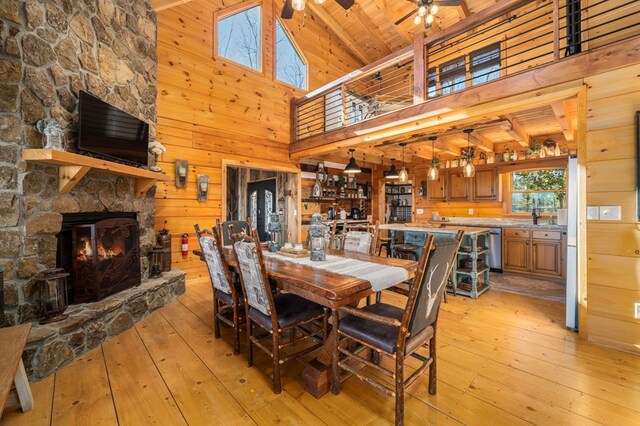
(52, 285)
(164, 240)
(156, 259)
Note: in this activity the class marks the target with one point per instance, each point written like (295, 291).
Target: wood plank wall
(210, 109)
(613, 247)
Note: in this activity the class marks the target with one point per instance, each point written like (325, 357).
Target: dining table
(329, 288)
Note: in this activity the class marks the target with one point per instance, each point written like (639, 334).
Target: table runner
(380, 276)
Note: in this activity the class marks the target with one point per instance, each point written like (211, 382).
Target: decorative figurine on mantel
(156, 149)
(317, 238)
(53, 135)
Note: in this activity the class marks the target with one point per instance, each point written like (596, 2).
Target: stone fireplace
(49, 51)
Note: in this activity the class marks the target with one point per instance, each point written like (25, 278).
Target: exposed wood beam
(483, 144)
(357, 12)
(560, 111)
(516, 131)
(160, 5)
(463, 10)
(337, 29)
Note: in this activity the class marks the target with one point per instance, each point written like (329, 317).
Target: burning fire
(109, 253)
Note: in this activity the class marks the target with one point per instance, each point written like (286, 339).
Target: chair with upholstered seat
(276, 314)
(228, 227)
(227, 294)
(360, 239)
(397, 332)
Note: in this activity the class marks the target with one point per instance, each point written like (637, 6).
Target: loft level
(511, 48)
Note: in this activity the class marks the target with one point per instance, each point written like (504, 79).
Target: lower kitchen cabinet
(539, 252)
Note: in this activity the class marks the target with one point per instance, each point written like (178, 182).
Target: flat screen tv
(110, 132)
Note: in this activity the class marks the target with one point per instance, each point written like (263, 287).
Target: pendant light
(393, 172)
(468, 170)
(352, 167)
(403, 176)
(298, 5)
(433, 170)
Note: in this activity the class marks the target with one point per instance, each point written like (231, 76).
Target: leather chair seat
(226, 297)
(381, 336)
(291, 309)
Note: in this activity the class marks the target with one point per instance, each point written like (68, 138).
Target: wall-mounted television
(110, 132)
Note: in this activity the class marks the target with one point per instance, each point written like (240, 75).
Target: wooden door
(546, 257)
(261, 202)
(516, 255)
(436, 189)
(458, 186)
(485, 185)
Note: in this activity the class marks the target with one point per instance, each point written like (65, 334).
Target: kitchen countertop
(417, 227)
(496, 223)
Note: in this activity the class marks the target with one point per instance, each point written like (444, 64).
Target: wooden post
(419, 69)
(556, 30)
(343, 92)
(294, 120)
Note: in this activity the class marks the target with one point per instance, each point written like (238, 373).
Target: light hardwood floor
(503, 359)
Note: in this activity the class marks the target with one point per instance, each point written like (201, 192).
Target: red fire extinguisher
(185, 245)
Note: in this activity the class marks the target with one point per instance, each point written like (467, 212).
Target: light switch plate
(419, 211)
(470, 212)
(593, 213)
(610, 213)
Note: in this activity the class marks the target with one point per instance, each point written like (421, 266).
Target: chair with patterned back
(236, 226)
(360, 238)
(277, 314)
(396, 332)
(226, 289)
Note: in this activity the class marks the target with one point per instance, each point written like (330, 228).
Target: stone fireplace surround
(49, 51)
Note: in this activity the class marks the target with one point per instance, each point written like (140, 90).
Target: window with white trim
(239, 37)
(545, 190)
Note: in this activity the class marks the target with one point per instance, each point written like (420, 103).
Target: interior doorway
(261, 202)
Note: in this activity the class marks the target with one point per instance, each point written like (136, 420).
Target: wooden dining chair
(227, 297)
(361, 238)
(228, 227)
(398, 333)
(277, 314)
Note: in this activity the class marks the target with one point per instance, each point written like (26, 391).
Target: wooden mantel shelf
(73, 167)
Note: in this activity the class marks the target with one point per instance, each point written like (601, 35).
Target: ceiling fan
(425, 11)
(291, 5)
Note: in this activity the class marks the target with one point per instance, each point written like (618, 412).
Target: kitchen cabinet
(457, 186)
(485, 184)
(539, 252)
(436, 189)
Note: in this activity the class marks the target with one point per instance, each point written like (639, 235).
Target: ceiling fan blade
(448, 2)
(405, 17)
(346, 4)
(287, 10)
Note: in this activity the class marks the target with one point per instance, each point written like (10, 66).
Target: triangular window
(290, 66)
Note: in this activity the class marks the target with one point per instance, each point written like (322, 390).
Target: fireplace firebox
(102, 253)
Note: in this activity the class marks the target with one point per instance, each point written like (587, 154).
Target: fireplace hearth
(101, 251)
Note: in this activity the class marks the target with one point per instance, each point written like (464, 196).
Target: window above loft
(239, 37)
(545, 190)
(484, 64)
(290, 66)
(453, 75)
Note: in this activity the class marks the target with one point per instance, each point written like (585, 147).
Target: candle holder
(275, 229)
(52, 285)
(317, 238)
(156, 255)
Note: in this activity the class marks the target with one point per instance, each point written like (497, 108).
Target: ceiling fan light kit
(298, 5)
(292, 5)
(426, 10)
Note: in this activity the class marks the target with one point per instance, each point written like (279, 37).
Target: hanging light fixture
(403, 176)
(319, 1)
(426, 12)
(298, 5)
(417, 20)
(433, 170)
(429, 19)
(468, 170)
(393, 172)
(352, 167)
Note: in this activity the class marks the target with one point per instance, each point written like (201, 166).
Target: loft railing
(507, 38)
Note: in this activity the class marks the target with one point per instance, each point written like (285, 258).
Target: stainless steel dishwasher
(495, 249)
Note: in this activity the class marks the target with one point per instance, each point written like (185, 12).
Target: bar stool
(386, 244)
(407, 251)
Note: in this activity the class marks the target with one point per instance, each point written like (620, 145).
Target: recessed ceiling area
(516, 131)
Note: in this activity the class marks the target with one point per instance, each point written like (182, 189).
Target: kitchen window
(545, 190)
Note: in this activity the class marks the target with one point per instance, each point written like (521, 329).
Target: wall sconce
(423, 188)
(182, 171)
(203, 187)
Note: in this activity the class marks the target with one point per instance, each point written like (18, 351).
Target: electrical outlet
(419, 211)
(610, 213)
(593, 213)
(470, 212)
(637, 313)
